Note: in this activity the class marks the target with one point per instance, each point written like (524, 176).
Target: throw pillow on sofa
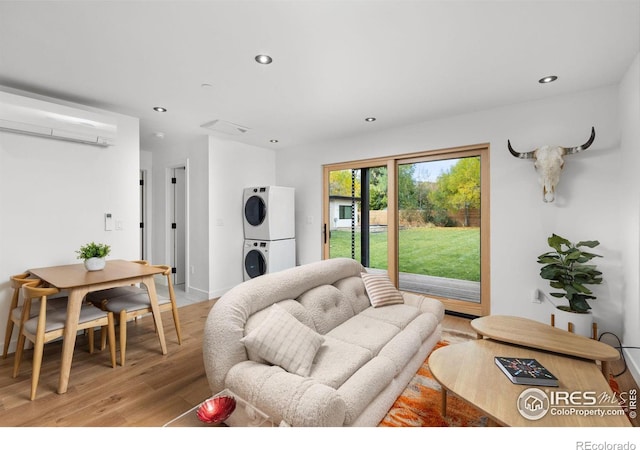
(380, 290)
(283, 340)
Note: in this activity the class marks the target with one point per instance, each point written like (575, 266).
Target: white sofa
(364, 359)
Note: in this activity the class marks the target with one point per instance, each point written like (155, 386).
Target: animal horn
(526, 155)
(572, 150)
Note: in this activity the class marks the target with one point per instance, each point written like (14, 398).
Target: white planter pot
(92, 264)
(582, 322)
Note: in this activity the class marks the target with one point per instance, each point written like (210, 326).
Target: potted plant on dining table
(94, 255)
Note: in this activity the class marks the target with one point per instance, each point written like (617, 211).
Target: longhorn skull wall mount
(548, 162)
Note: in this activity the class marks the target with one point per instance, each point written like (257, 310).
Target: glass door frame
(392, 235)
(392, 162)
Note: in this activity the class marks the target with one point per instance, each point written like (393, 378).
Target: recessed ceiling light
(159, 109)
(264, 59)
(549, 79)
(206, 85)
(370, 119)
(274, 141)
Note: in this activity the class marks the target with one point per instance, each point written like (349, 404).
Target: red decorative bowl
(216, 409)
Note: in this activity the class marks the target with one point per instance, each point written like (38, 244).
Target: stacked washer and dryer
(269, 230)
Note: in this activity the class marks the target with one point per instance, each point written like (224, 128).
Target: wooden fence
(415, 218)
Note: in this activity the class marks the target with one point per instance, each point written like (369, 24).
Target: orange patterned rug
(420, 403)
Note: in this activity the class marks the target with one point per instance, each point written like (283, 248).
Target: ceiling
(334, 62)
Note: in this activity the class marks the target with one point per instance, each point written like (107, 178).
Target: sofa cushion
(283, 340)
(425, 325)
(425, 304)
(336, 361)
(353, 289)
(285, 396)
(365, 385)
(380, 290)
(401, 348)
(365, 332)
(398, 315)
(327, 306)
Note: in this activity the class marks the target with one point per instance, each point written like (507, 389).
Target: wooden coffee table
(540, 336)
(469, 371)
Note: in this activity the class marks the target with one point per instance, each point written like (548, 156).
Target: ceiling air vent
(222, 126)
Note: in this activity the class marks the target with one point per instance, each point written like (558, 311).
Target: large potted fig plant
(567, 270)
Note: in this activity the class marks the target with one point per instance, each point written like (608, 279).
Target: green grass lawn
(442, 252)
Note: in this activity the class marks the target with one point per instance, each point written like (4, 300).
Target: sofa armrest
(296, 400)
(425, 304)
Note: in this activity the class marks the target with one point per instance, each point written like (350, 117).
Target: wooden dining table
(78, 281)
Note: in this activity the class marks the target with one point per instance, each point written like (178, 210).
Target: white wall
(218, 171)
(199, 233)
(334, 214)
(630, 212)
(234, 166)
(586, 207)
(53, 197)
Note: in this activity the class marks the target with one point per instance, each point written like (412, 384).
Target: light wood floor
(149, 391)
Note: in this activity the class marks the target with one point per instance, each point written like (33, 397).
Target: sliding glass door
(439, 228)
(356, 215)
(421, 218)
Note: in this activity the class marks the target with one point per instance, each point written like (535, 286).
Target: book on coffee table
(526, 371)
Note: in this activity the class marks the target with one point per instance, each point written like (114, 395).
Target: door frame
(168, 217)
(145, 190)
(392, 162)
(392, 202)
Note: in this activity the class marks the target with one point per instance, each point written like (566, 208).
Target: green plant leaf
(547, 259)
(573, 255)
(570, 290)
(584, 257)
(590, 244)
(580, 288)
(579, 304)
(551, 272)
(556, 242)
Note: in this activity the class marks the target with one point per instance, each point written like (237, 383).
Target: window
(345, 211)
(423, 218)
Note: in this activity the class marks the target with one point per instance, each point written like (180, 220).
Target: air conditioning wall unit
(25, 115)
